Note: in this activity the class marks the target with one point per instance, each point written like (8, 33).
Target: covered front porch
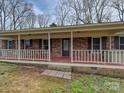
(108, 57)
(65, 45)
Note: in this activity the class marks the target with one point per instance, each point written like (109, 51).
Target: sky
(44, 6)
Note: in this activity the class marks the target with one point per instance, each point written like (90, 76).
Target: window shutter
(51, 44)
(40, 43)
(116, 42)
(22, 44)
(31, 41)
(104, 43)
(89, 43)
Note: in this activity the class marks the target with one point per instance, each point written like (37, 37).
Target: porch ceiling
(65, 35)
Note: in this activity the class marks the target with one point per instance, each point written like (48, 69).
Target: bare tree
(31, 20)
(43, 20)
(84, 11)
(81, 11)
(62, 11)
(87, 11)
(18, 10)
(76, 10)
(119, 6)
(4, 13)
(100, 10)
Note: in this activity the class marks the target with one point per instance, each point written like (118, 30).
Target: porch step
(60, 68)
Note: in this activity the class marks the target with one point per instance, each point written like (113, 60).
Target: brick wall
(80, 43)
(4, 44)
(35, 44)
(112, 44)
(56, 48)
(108, 43)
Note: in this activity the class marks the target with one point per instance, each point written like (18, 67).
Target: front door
(65, 47)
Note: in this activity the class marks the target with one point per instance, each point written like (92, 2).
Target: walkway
(59, 74)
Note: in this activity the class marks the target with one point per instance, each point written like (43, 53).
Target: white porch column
(19, 46)
(71, 46)
(49, 46)
(110, 41)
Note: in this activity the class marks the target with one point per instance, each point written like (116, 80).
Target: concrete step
(60, 68)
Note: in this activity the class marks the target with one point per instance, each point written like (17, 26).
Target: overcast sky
(44, 6)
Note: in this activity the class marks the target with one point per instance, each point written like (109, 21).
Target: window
(28, 43)
(45, 44)
(96, 43)
(65, 45)
(11, 44)
(121, 42)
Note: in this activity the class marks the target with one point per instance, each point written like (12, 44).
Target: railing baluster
(116, 56)
(85, 56)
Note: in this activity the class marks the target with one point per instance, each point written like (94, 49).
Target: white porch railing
(99, 56)
(34, 54)
(82, 56)
(25, 54)
(8, 53)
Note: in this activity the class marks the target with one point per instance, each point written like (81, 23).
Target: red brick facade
(4, 44)
(35, 44)
(80, 43)
(56, 45)
(112, 43)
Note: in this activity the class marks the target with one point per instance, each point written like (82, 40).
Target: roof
(83, 27)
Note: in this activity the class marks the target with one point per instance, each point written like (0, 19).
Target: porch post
(19, 47)
(110, 41)
(71, 46)
(49, 46)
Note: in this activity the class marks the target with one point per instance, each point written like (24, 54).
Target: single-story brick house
(89, 43)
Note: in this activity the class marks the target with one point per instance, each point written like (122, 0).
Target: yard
(28, 79)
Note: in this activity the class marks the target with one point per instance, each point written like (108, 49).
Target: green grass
(7, 64)
(26, 80)
(93, 84)
(19, 79)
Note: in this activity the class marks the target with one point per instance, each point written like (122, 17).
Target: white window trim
(100, 42)
(120, 42)
(8, 44)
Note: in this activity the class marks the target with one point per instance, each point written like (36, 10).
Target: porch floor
(61, 59)
(68, 60)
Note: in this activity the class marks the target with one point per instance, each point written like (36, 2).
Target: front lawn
(28, 79)
(21, 79)
(93, 84)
